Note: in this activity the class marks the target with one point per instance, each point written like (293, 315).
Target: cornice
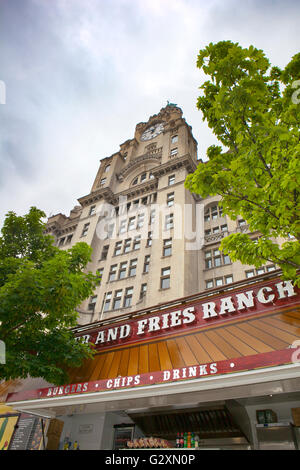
(102, 193)
(174, 164)
(154, 154)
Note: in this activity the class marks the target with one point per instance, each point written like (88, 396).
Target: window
(134, 181)
(174, 152)
(219, 282)
(208, 259)
(92, 210)
(131, 223)
(99, 272)
(69, 238)
(143, 291)
(144, 201)
(241, 222)
(167, 248)
(61, 241)
(146, 264)
(128, 297)
(140, 220)
(226, 259)
(104, 252)
(151, 176)
(102, 181)
(215, 258)
(270, 268)
(174, 139)
(112, 273)
(171, 180)
(249, 273)
(122, 228)
(92, 303)
(152, 217)
(207, 232)
(135, 204)
(169, 222)
(132, 267)
(117, 299)
(149, 239)
(143, 177)
(260, 270)
(209, 284)
(165, 278)
(224, 228)
(127, 244)
(170, 199)
(216, 230)
(107, 168)
(118, 248)
(228, 279)
(122, 270)
(137, 242)
(212, 213)
(85, 230)
(106, 303)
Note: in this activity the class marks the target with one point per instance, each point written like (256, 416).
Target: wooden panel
(186, 352)
(113, 372)
(282, 325)
(99, 364)
(108, 362)
(200, 353)
(249, 339)
(210, 347)
(164, 356)
(133, 365)
(242, 347)
(124, 362)
(153, 358)
(264, 336)
(275, 331)
(175, 356)
(293, 313)
(223, 345)
(143, 359)
(289, 320)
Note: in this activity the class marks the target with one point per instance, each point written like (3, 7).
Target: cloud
(80, 74)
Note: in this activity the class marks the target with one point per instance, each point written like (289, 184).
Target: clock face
(152, 131)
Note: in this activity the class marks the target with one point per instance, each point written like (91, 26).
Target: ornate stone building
(153, 241)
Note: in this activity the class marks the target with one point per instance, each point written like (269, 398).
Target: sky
(80, 74)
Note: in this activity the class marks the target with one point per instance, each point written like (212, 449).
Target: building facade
(186, 341)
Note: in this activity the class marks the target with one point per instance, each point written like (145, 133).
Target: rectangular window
(167, 248)
(69, 239)
(106, 303)
(249, 273)
(110, 231)
(224, 228)
(128, 297)
(209, 284)
(208, 260)
(169, 221)
(171, 180)
(61, 241)
(102, 181)
(122, 228)
(174, 139)
(112, 273)
(207, 232)
(146, 264)
(132, 267)
(143, 177)
(270, 268)
(118, 248)
(241, 222)
(207, 216)
(122, 270)
(131, 223)
(117, 299)
(217, 258)
(152, 217)
(174, 152)
(219, 282)
(127, 244)
(144, 201)
(226, 259)
(92, 303)
(228, 279)
(260, 271)
(85, 230)
(214, 212)
(92, 210)
(107, 168)
(99, 272)
(170, 199)
(143, 291)
(104, 252)
(149, 239)
(140, 220)
(216, 230)
(137, 242)
(165, 278)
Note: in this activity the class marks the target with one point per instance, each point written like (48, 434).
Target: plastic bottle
(185, 440)
(181, 440)
(189, 440)
(192, 440)
(177, 441)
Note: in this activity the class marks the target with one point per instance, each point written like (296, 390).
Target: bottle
(189, 440)
(192, 440)
(196, 442)
(185, 440)
(181, 440)
(177, 441)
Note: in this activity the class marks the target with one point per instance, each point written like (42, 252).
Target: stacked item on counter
(149, 443)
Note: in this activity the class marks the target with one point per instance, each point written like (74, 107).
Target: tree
(40, 288)
(254, 111)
